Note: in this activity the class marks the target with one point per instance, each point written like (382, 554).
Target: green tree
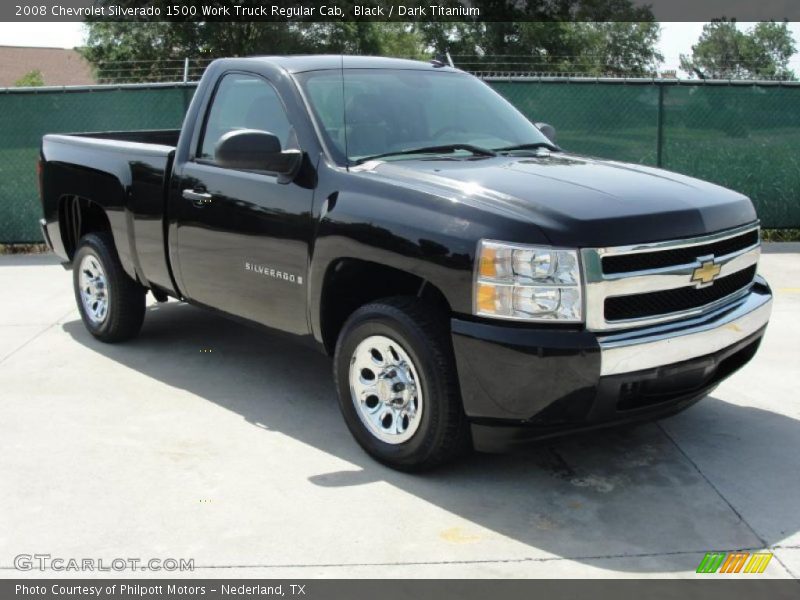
(365, 38)
(128, 51)
(726, 52)
(155, 50)
(591, 48)
(609, 36)
(619, 48)
(30, 79)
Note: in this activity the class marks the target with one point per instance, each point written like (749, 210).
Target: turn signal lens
(495, 263)
(494, 298)
(488, 261)
(520, 282)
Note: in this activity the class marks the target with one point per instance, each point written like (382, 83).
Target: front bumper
(525, 383)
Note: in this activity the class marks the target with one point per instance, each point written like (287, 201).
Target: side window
(245, 102)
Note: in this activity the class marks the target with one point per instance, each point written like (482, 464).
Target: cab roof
(320, 62)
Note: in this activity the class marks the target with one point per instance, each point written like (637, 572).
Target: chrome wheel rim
(386, 389)
(93, 289)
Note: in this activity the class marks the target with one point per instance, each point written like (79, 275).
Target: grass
(780, 235)
(24, 249)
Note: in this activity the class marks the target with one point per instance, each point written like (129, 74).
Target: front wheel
(397, 384)
(110, 302)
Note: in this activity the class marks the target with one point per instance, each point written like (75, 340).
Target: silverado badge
(706, 273)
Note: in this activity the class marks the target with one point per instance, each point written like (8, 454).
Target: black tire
(125, 297)
(423, 333)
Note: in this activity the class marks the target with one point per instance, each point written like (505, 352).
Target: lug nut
(398, 387)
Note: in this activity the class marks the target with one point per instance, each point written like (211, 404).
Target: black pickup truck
(476, 284)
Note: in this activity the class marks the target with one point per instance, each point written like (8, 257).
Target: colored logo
(706, 272)
(734, 562)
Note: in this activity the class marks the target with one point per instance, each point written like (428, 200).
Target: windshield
(377, 112)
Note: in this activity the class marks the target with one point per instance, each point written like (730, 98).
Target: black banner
(211, 589)
(390, 10)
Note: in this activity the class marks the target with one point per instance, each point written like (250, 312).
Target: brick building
(58, 66)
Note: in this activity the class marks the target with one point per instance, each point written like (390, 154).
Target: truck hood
(575, 200)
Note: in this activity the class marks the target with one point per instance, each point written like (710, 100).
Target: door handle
(198, 198)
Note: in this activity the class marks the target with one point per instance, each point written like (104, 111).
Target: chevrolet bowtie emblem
(705, 273)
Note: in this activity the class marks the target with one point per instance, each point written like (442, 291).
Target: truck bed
(161, 137)
(124, 172)
(158, 142)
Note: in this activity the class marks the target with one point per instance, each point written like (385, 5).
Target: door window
(245, 102)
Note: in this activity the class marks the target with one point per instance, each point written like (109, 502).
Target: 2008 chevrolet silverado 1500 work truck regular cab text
(475, 284)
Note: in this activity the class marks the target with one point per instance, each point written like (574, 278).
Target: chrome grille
(638, 285)
(643, 261)
(638, 306)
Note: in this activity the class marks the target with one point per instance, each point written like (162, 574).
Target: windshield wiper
(443, 149)
(532, 146)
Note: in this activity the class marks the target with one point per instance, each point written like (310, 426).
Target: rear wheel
(110, 302)
(397, 384)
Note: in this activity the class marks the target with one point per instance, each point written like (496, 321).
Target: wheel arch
(350, 283)
(78, 216)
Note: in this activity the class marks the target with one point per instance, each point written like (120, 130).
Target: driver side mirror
(256, 150)
(548, 130)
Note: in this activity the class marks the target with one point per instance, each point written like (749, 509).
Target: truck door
(242, 237)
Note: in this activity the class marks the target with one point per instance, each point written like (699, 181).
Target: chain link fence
(745, 136)
(25, 116)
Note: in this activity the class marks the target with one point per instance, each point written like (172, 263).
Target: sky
(676, 38)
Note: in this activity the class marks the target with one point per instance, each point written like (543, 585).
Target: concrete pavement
(209, 440)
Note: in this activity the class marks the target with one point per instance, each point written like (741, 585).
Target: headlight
(531, 283)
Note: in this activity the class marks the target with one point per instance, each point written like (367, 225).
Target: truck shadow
(613, 499)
